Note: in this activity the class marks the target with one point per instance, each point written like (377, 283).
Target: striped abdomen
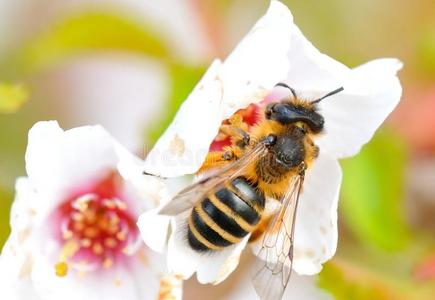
(225, 217)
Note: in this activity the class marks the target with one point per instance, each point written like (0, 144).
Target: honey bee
(268, 161)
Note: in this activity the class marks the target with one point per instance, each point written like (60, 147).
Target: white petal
(299, 287)
(310, 70)
(113, 284)
(16, 258)
(57, 160)
(184, 145)
(210, 267)
(371, 92)
(154, 229)
(316, 220)
(259, 61)
(149, 191)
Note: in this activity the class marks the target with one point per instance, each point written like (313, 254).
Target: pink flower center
(249, 116)
(95, 227)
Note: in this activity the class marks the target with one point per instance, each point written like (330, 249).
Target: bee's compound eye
(271, 140)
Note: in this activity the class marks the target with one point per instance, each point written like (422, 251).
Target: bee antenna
(282, 84)
(328, 94)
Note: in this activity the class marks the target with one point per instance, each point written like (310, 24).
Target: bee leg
(301, 168)
(154, 175)
(239, 137)
(219, 158)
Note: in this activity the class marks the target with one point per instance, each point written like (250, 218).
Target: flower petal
(210, 267)
(16, 259)
(371, 92)
(113, 284)
(316, 220)
(310, 70)
(56, 160)
(299, 287)
(259, 61)
(154, 229)
(184, 145)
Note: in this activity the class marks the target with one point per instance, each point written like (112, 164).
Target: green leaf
(12, 97)
(344, 285)
(350, 279)
(183, 80)
(426, 51)
(88, 31)
(5, 206)
(373, 194)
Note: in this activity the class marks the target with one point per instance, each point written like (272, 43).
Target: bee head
(289, 150)
(295, 110)
(291, 113)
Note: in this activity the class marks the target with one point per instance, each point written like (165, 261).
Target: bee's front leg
(237, 130)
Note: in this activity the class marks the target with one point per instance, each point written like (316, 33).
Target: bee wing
(273, 265)
(189, 196)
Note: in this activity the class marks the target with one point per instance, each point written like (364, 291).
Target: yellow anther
(121, 236)
(85, 243)
(98, 249)
(107, 263)
(61, 269)
(110, 242)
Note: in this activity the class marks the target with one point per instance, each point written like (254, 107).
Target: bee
(266, 162)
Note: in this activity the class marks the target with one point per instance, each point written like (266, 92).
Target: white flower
(73, 221)
(276, 51)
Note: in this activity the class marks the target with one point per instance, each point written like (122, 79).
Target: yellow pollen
(117, 282)
(61, 269)
(107, 263)
(68, 250)
(86, 243)
(103, 223)
(121, 236)
(91, 232)
(112, 229)
(67, 234)
(114, 220)
(109, 204)
(79, 226)
(121, 205)
(110, 242)
(82, 203)
(90, 216)
(76, 216)
(97, 249)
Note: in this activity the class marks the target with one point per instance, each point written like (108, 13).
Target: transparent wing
(273, 265)
(189, 196)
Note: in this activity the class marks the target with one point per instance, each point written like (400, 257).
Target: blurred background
(128, 64)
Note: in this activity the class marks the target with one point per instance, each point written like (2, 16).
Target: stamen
(107, 263)
(81, 202)
(96, 230)
(98, 249)
(61, 269)
(86, 243)
(110, 242)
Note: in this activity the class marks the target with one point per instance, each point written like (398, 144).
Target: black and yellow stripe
(225, 217)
